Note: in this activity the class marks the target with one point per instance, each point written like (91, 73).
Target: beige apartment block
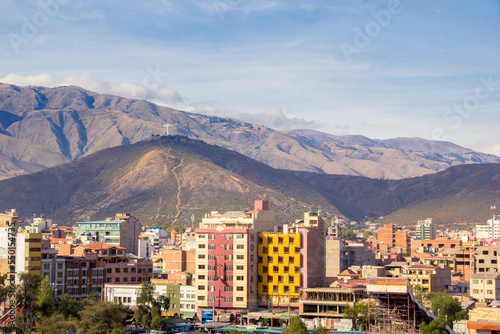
(485, 287)
(430, 278)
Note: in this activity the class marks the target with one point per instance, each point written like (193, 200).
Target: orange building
(179, 260)
(392, 237)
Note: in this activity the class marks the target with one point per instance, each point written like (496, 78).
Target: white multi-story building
(157, 237)
(489, 231)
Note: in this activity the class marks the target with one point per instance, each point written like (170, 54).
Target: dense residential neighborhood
(240, 269)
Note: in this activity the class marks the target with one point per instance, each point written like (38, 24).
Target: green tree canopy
(347, 234)
(45, 300)
(296, 326)
(447, 308)
(101, 317)
(437, 326)
(360, 313)
(26, 299)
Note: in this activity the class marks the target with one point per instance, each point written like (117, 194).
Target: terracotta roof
(348, 272)
(422, 266)
(100, 245)
(58, 240)
(484, 325)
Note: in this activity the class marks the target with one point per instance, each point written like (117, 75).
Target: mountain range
(44, 127)
(175, 180)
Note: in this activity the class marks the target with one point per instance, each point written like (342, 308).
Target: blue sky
(377, 68)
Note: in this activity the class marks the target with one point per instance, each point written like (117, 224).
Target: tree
(68, 307)
(347, 234)
(56, 324)
(437, 326)
(296, 326)
(26, 300)
(101, 317)
(45, 300)
(446, 308)
(149, 308)
(359, 313)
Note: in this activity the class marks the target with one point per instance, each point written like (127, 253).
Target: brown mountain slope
(162, 181)
(166, 180)
(70, 122)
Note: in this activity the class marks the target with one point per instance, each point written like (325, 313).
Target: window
(240, 246)
(239, 278)
(201, 245)
(240, 236)
(117, 270)
(275, 288)
(291, 259)
(239, 267)
(489, 282)
(201, 276)
(240, 257)
(228, 299)
(239, 299)
(280, 279)
(211, 247)
(117, 279)
(481, 261)
(201, 256)
(264, 288)
(275, 249)
(285, 270)
(280, 259)
(291, 279)
(286, 250)
(201, 297)
(269, 279)
(297, 289)
(228, 236)
(211, 236)
(269, 259)
(201, 287)
(228, 247)
(475, 281)
(292, 240)
(228, 257)
(275, 269)
(489, 292)
(201, 266)
(264, 250)
(228, 289)
(240, 288)
(125, 270)
(264, 269)
(201, 236)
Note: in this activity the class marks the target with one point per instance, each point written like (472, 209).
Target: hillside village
(240, 270)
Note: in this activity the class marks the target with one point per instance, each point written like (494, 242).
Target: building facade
(485, 287)
(428, 278)
(425, 229)
(122, 231)
(226, 259)
(290, 259)
(486, 259)
(489, 231)
(28, 253)
(390, 237)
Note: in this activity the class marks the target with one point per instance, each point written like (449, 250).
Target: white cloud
(274, 118)
(85, 80)
(492, 147)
